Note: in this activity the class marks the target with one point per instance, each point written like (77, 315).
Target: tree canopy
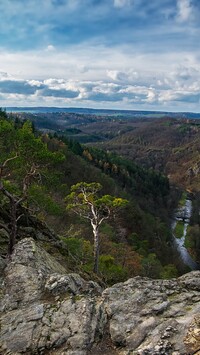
(25, 159)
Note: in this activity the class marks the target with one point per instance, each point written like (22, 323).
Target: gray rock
(144, 319)
(45, 310)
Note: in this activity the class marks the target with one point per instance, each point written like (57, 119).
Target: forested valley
(151, 164)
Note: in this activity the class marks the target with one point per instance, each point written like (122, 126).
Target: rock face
(44, 310)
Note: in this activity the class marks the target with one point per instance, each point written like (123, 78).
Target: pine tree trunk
(96, 249)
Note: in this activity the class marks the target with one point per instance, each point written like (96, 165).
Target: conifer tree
(84, 200)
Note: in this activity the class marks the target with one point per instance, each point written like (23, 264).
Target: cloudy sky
(125, 54)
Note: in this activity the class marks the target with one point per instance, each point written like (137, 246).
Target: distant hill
(124, 113)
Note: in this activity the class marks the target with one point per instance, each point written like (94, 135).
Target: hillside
(133, 148)
(133, 239)
(169, 146)
(168, 143)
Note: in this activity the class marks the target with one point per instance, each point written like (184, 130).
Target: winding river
(184, 214)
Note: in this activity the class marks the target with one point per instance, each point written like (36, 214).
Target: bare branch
(81, 214)
(103, 219)
(7, 193)
(2, 166)
(9, 159)
(31, 174)
(18, 218)
(20, 200)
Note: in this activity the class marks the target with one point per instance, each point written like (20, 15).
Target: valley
(159, 143)
(168, 143)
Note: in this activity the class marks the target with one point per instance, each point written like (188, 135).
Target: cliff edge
(45, 310)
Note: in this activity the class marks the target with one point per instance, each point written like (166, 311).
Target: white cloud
(35, 83)
(113, 74)
(125, 77)
(184, 10)
(50, 48)
(151, 96)
(114, 78)
(121, 3)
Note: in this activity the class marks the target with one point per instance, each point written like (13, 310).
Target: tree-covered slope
(135, 241)
(167, 143)
(171, 146)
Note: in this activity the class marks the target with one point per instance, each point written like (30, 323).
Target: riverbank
(182, 215)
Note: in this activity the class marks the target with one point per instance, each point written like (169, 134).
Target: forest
(39, 169)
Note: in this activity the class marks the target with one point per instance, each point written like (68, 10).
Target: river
(184, 214)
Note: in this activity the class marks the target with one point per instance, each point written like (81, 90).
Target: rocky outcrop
(44, 310)
(153, 316)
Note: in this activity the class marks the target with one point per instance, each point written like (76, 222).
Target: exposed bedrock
(44, 310)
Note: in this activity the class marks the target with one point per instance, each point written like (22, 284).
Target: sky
(119, 54)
